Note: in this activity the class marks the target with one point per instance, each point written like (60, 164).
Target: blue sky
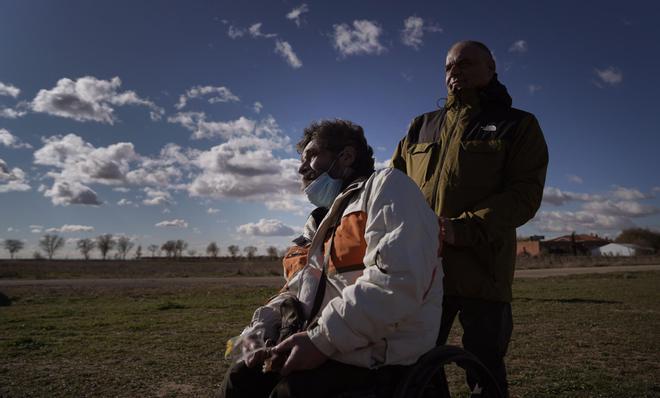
(168, 119)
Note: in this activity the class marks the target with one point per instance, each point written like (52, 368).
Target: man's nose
(303, 167)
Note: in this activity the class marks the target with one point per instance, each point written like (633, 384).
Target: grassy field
(581, 336)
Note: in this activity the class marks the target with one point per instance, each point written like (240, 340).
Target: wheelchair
(426, 378)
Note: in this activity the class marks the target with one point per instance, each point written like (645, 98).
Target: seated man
(370, 289)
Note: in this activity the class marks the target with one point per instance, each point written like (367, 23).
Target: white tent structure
(621, 249)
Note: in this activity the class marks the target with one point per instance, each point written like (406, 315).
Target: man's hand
(447, 231)
(255, 358)
(302, 354)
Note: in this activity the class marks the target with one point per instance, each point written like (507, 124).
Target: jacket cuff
(321, 341)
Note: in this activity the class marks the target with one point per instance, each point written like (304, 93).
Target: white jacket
(385, 310)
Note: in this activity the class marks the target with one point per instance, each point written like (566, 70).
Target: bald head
(469, 64)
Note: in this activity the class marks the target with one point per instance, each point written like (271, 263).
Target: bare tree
(152, 249)
(13, 246)
(169, 248)
(272, 252)
(138, 252)
(105, 243)
(212, 250)
(233, 250)
(180, 246)
(85, 246)
(124, 245)
(51, 244)
(250, 251)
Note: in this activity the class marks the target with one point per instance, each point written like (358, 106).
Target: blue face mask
(323, 191)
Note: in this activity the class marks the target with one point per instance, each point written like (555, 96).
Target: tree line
(50, 244)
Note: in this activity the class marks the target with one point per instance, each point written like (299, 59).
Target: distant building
(573, 244)
(528, 248)
(621, 249)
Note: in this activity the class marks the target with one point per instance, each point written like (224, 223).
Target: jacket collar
(494, 95)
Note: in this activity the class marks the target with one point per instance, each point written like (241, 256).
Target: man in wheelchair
(363, 296)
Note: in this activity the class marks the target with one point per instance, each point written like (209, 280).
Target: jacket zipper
(448, 142)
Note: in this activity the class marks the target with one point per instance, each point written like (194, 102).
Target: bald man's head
(469, 64)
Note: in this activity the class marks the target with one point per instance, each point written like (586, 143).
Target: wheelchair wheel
(427, 379)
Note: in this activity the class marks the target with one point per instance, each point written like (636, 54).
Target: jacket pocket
(421, 162)
(480, 163)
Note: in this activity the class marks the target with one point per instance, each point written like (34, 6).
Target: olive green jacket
(481, 163)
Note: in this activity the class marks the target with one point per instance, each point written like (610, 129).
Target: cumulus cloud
(9, 140)
(558, 197)
(211, 210)
(240, 128)
(569, 221)
(68, 228)
(218, 94)
(176, 223)
(234, 32)
(266, 227)
(257, 107)
(89, 99)
(284, 49)
(296, 14)
(624, 193)
(610, 76)
(624, 208)
(157, 197)
(9, 90)
(36, 229)
(362, 38)
(124, 202)
(64, 193)
(519, 46)
(413, 31)
(12, 179)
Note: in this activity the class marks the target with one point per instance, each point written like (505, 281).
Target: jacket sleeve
(400, 261)
(520, 198)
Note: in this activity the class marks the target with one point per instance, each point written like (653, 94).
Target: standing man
(481, 166)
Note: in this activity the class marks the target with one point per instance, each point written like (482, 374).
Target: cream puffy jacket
(383, 300)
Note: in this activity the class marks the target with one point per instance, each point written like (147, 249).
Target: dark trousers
(329, 380)
(487, 327)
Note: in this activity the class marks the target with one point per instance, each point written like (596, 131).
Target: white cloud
(64, 193)
(10, 113)
(124, 202)
(519, 46)
(266, 227)
(413, 31)
(242, 127)
(156, 197)
(609, 75)
(212, 210)
(624, 208)
(580, 221)
(363, 38)
(284, 49)
(89, 99)
(296, 14)
(121, 189)
(177, 223)
(382, 165)
(574, 178)
(534, 88)
(36, 229)
(220, 94)
(257, 107)
(9, 140)
(68, 228)
(255, 31)
(235, 32)
(558, 197)
(9, 90)
(628, 193)
(12, 179)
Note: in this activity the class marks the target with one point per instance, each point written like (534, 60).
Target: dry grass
(580, 336)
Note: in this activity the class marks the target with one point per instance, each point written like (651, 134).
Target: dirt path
(276, 281)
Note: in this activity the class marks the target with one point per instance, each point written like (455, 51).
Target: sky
(161, 120)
